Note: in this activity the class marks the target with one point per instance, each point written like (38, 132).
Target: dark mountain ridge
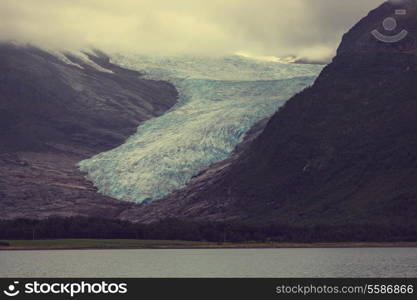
(44, 100)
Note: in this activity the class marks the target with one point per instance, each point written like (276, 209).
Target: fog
(304, 28)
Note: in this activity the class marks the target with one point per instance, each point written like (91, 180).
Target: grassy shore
(66, 244)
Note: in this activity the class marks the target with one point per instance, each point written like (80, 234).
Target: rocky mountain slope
(57, 109)
(341, 152)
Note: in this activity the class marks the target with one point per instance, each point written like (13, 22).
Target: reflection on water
(352, 262)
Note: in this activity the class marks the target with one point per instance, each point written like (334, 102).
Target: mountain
(340, 152)
(57, 109)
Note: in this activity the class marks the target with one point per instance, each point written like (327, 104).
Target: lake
(275, 263)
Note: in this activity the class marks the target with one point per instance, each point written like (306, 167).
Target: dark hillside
(54, 114)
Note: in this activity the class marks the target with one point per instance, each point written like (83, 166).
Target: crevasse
(220, 100)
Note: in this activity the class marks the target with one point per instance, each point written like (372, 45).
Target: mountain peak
(389, 28)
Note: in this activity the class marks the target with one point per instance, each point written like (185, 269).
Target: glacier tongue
(220, 100)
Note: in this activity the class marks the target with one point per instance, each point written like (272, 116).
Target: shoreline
(213, 246)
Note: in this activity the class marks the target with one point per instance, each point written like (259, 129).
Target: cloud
(304, 28)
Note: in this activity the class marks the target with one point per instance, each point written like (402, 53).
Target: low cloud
(304, 28)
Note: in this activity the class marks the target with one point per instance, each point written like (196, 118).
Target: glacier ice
(220, 100)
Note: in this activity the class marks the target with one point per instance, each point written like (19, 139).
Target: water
(220, 100)
(242, 263)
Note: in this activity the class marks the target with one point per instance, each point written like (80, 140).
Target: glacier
(220, 99)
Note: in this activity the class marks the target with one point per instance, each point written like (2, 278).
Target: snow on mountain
(81, 55)
(220, 100)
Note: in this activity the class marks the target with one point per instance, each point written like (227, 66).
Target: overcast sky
(305, 28)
